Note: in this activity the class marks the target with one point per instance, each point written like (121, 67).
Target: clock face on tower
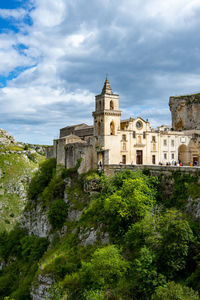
(139, 125)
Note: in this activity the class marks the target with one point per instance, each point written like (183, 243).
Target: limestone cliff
(185, 112)
(17, 165)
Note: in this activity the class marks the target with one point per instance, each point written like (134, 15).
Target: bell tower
(106, 115)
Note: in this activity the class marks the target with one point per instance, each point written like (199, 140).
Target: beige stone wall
(49, 152)
(75, 151)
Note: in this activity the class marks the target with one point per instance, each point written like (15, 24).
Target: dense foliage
(123, 238)
(41, 178)
(20, 253)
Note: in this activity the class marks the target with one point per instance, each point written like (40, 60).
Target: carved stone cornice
(107, 112)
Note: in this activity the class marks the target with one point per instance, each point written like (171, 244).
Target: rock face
(185, 112)
(36, 222)
(193, 207)
(6, 138)
(41, 290)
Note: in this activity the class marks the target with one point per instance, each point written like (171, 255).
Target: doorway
(139, 157)
(124, 159)
(195, 161)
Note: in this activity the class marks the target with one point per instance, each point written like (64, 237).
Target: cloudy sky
(55, 54)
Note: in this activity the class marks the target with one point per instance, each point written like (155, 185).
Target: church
(114, 141)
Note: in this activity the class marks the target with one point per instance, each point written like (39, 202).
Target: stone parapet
(153, 169)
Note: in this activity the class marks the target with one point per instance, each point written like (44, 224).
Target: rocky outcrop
(193, 207)
(41, 290)
(6, 138)
(36, 221)
(185, 112)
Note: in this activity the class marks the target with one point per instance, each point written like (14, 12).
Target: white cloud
(171, 14)
(178, 83)
(13, 13)
(48, 13)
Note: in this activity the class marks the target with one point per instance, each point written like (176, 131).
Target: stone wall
(185, 112)
(79, 130)
(75, 151)
(153, 169)
(49, 152)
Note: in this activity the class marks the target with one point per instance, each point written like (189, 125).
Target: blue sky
(55, 56)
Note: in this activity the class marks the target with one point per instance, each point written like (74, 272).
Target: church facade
(112, 141)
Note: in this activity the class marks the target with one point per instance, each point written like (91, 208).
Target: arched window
(112, 128)
(99, 128)
(111, 105)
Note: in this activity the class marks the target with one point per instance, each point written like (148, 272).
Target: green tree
(145, 277)
(172, 291)
(176, 236)
(57, 213)
(106, 268)
(167, 234)
(133, 200)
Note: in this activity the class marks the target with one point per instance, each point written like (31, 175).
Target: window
(153, 159)
(172, 155)
(153, 138)
(112, 128)
(172, 143)
(165, 155)
(134, 134)
(139, 124)
(124, 137)
(111, 105)
(144, 135)
(124, 147)
(165, 142)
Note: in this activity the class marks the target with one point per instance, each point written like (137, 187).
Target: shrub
(10, 243)
(54, 190)
(41, 178)
(33, 157)
(173, 291)
(106, 268)
(23, 253)
(94, 295)
(33, 247)
(57, 213)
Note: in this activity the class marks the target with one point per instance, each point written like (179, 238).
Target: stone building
(112, 141)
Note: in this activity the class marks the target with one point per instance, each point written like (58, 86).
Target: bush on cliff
(57, 213)
(173, 291)
(41, 178)
(21, 253)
